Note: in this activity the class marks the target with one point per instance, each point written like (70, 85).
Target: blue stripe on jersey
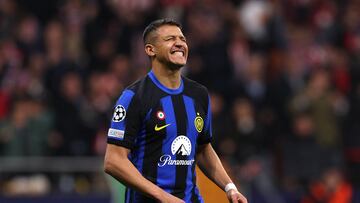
(138, 156)
(124, 101)
(127, 195)
(166, 175)
(192, 134)
(208, 120)
(163, 88)
(201, 200)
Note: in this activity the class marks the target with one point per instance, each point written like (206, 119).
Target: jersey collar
(163, 88)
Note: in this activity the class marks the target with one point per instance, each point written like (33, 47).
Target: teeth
(179, 53)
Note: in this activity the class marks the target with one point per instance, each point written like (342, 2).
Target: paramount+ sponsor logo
(166, 160)
(181, 146)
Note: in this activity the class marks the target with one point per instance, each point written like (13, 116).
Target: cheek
(161, 53)
(164, 50)
(187, 51)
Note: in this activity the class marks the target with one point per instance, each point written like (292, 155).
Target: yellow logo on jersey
(199, 123)
(161, 127)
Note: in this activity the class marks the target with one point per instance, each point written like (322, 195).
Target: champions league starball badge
(119, 113)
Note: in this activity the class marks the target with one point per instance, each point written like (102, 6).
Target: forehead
(167, 30)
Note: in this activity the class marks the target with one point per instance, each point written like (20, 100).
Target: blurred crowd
(283, 77)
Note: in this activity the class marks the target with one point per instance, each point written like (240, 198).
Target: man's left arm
(211, 166)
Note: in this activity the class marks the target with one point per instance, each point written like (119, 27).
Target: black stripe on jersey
(181, 124)
(194, 196)
(132, 196)
(152, 152)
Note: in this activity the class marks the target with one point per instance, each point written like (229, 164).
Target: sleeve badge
(119, 113)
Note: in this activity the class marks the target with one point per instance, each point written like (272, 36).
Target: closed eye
(169, 38)
(182, 38)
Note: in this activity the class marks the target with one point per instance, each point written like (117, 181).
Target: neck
(167, 77)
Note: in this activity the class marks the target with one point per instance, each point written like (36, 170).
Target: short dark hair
(154, 25)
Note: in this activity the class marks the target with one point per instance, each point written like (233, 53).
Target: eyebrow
(171, 36)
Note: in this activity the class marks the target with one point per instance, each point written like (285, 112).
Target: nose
(180, 43)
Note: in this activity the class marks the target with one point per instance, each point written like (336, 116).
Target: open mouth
(178, 52)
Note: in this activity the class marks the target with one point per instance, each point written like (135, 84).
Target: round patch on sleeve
(119, 113)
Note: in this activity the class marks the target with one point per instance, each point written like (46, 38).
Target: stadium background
(283, 77)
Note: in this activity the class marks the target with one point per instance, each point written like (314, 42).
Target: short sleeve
(206, 136)
(125, 123)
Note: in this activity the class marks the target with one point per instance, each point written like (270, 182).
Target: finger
(242, 199)
(234, 199)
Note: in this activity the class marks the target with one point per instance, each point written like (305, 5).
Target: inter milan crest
(199, 123)
(119, 113)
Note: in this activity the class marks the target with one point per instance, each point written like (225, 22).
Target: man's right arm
(119, 166)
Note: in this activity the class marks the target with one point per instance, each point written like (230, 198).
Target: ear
(150, 50)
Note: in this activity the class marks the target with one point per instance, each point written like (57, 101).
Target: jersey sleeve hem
(122, 143)
(204, 141)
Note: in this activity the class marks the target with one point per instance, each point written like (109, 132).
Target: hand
(235, 196)
(169, 198)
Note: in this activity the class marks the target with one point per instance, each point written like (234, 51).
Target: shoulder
(196, 91)
(141, 88)
(132, 92)
(194, 86)
(143, 93)
(138, 85)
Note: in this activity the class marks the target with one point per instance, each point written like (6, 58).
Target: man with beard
(161, 128)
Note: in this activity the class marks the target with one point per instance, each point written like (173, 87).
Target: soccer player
(161, 128)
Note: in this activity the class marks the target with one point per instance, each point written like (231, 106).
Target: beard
(170, 65)
(174, 67)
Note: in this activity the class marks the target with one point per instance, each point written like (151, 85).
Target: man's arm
(119, 166)
(211, 166)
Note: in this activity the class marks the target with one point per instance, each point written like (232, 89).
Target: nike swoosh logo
(161, 127)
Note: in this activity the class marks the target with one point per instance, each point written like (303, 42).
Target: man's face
(170, 45)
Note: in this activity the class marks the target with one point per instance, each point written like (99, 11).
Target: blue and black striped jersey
(163, 128)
